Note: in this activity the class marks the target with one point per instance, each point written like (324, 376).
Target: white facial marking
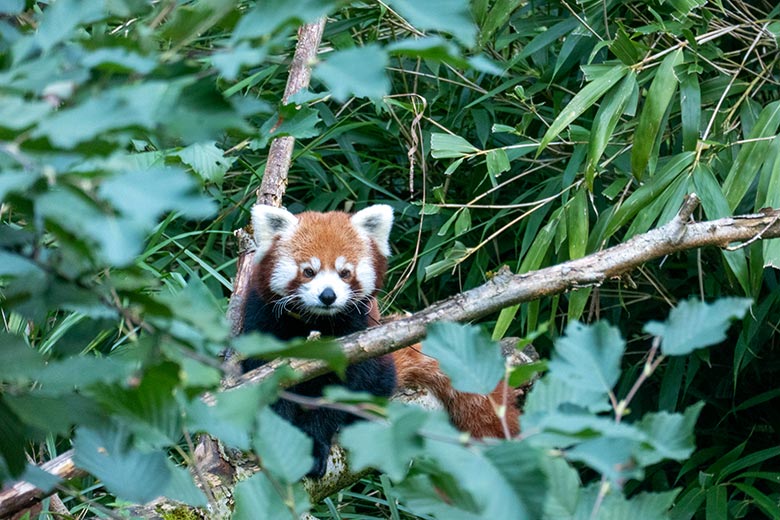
(284, 272)
(366, 276)
(315, 263)
(269, 223)
(309, 293)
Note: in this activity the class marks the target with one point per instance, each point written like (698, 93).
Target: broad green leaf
(258, 345)
(450, 16)
(472, 361)
(429, 48)
(229, 415)
(563, 488)
(644, 506)
(284, 450)
(657, 101)
(182, 488)
(12, 440)
(549, 394)
(751, 155)
(62, 18)
(612, 457)
(119, 59)
(588, 357)
(445, 146)
(230, 60)
(207, 160)
(300, 122)
(582, 101)
(142, 104)
(606, 120)
(356, 72)
(669, 435)
(258, 495)
(717, 503)
(267, 17)
(126, 471)
(54, 413)
(694, 324)
(520, 466)
(17, 114)
(389, 445)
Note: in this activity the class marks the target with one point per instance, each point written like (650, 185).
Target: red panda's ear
(375, 223)
(268, 223)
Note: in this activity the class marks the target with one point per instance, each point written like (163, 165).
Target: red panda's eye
(308, 272)
(344, 273)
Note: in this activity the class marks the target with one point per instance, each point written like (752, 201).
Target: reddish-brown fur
(473, 413)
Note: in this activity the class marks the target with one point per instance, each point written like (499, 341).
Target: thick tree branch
(507, 289)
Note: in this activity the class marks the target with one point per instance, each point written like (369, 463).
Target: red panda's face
(322, 263)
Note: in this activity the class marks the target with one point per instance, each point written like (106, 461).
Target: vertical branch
(274, 181)
(280, 153)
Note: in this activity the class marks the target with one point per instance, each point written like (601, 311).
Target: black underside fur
(376, 375)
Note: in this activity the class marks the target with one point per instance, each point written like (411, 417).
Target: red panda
(321, 272)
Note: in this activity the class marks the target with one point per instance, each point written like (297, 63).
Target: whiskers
(286, 303)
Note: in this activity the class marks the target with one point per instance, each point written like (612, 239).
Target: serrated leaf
(582, 101)
(257, 495)
(301, 123)
(549, 394)
(284, 450)
(266, 347)
(669, 435)
(389, 445)
(472, 361)
(267, 17)
(658, 98)
(229, 415)
(644, 506)
(588, 357)
(610, 456)
(356, 72)
(563, 488)
(451, 16)
(127, 472)
(695, 324)
(520, 466)
(207, 160)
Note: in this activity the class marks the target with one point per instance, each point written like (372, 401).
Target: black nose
(327, 296)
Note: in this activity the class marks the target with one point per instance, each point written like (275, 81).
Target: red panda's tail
(473, 413)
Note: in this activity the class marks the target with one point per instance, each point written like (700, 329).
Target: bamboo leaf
(661, 91)
(584, 99)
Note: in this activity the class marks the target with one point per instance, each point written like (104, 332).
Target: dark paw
(318, 469)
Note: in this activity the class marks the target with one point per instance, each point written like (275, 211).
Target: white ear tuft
(375, 222)
(268, 223)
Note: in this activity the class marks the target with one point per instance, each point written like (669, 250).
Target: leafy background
(133, 136)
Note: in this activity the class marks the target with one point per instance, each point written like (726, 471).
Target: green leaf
(284, 450)
(142, 104)
(582, 101)
(300, 122)
(472, 361)
(267, 17)
(644, 506)
(588, 357)
(259, 345)
(207, 160)
(695, 324)
(657, 101)
(577, 224)
(612, 457)
(125, 470)
(18, 114)
(259, 495)
(607, 117)
(497, 162)
(563, 488)
(356, 72)
(772, 247)
(549, 394)
(429, 48)
(387, 446)
(230, 60)
(444, 146)
(228, 415)
(669, 435)
(520, 466)
(451, 16)
(751, 155)
(690, 111)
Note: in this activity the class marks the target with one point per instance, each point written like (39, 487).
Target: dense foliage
(133, 135)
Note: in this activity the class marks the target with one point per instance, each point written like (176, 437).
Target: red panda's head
(320, 263)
